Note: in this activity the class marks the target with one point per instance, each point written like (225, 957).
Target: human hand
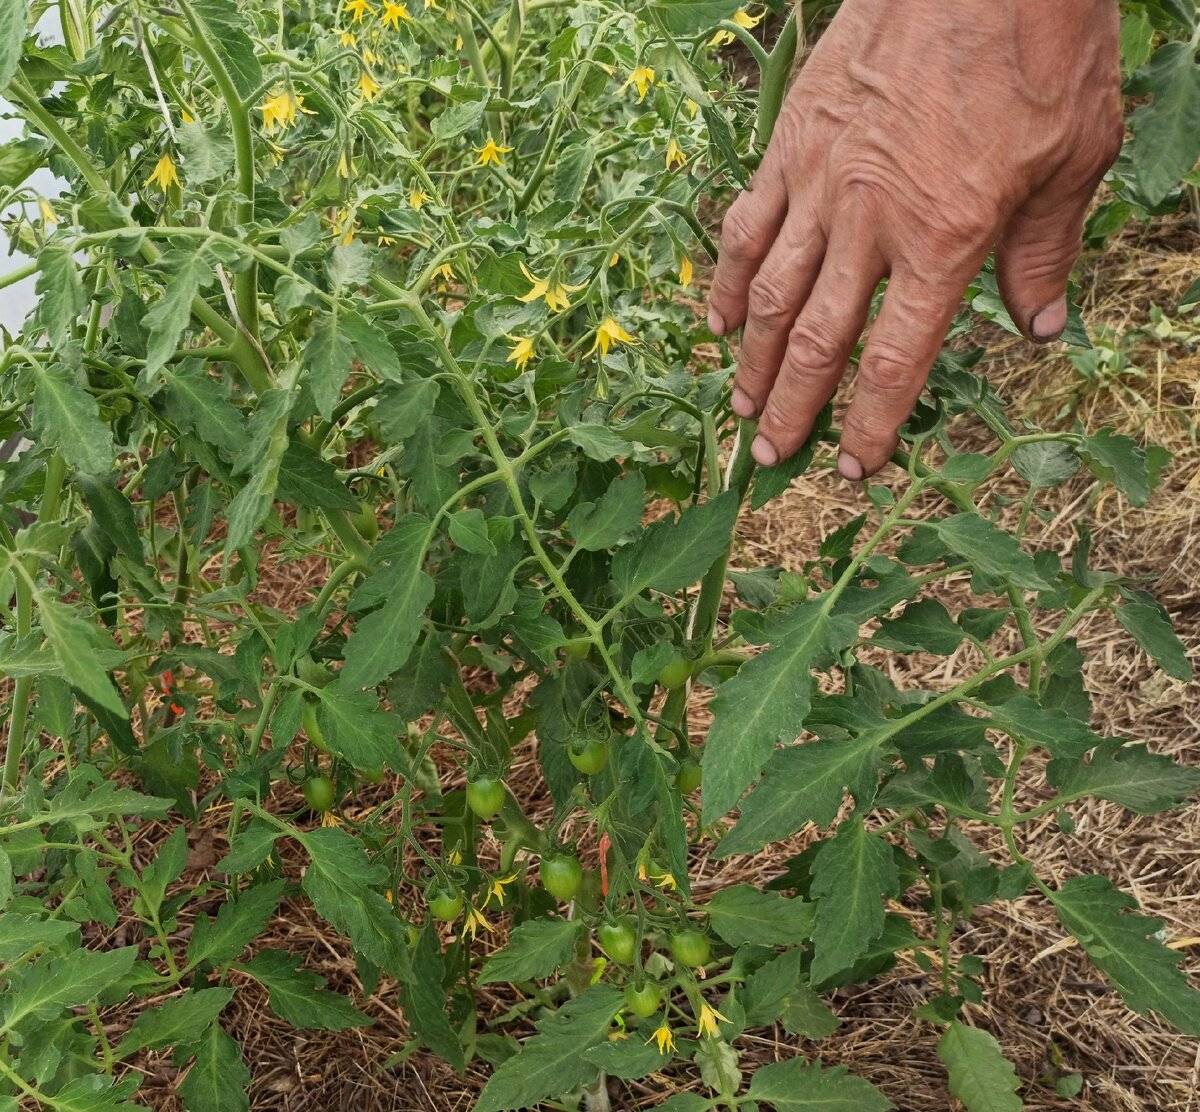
(916, 137)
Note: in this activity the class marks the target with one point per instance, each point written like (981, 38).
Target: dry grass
(1044, 1001)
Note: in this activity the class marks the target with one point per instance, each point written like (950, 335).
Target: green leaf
(94, 1092)
(689, 17)
(1147, 622)
(63, 981)
(628, 1059)
(305, 479)
(75, 643)
(165, 868)
(1144, 782)
(13, 18)
(599, 442)
(1047, 463)
(535, 950)
(469, 530)
(182, 1019)
(67, 417)
(606, 522)
(852, 874)
(250, 847)
(358, 729)
(60, 292)
(113, 514)
(551, 1062)
(196, 402)
(404, 409)
(237, 924)
(743, 914)
(22, 934)
(805, 1013)
(87, 800)
(342, 882)
(372, 346)
(766, 703)
(21, 157)
(423, 999)
(218, 1079)
(299, 997)
(770, 482)
(1061, 733)
(925, 625)
(207, 152)
(980, 1076)
(187, 272)
(1166, 140)
(225, 25)
(328, 357)
(1117, 459)
(672, 554)
(1124, 946)
(990, 550)
(798, 1085)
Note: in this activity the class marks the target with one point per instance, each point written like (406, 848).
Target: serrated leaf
(218, 1079)
(743, 914)
(990, 550)
(1166, 131)
(1117, 459)
(305, 479)
(63, 981)
(424, 1000)
(469, 530)
(628, 1059)
(770, 482)
(1145, 620)
(595, 526)
(535, 950)
(925, 626)
(60, 292)
(1061, 733)
(84, 803)
(75, 643)
(980, 1076)
(21, 157)
(196, 402)
(328, 358)
(238, 923)
(358, 729)
(226, 30)
(299, 996)
(852, 874)
(342, 883)
(372, 346)
(689, 17)
(766, 703)
(207, 152)
(67, 417)
(250, 847)
(96, 1092)
(551, 1062)
(12, 33)
(187, 272)
(182, 1019)
(21, 934)
(113, 513)
(1144, 782)
(1123, 944)
(1045, 464)
(798, 1085)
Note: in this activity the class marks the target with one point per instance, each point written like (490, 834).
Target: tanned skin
(919, 136)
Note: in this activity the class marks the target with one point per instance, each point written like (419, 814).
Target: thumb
(1034, 258)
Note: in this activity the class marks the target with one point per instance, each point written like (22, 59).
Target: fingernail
(716, 323)
(850, 467)
(763, 452)
(742, 404)
(1051, 322)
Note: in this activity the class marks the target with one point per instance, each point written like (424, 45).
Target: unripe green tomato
(319, 793)
(485, 796)
(675, 673)
(309, 719)
(561, 876)
(412, 932)
(688, 776)
(644, 999)
(588, 754)
(578, 649)
(446, 904)
(312, 673)
(690, 947)
(618, 940)
(366, 522)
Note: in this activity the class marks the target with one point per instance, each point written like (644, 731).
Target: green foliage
(296, 313)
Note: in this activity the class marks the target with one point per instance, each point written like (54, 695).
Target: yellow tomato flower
(496, 889)
(455, 857)
(554, 291)
(685, 271)
(164, 174)
(641, 79)
(521, 353)
(280, 108)
(368, 86)
(330, 819)
(707, 1023)
(490, 152)
(385, 241)
(609, 334)
(417, 197)
(393, 14)
(692, 107)
(663, 1037)
(445, 273)
(432, 6)
(665, 881)
(49, 216)
(186, 117)
(346, 38)
(369, 57)
(675, 155)
(474, 921)
(614, 259)
(743, 19)
(358, 8)
(345, 168)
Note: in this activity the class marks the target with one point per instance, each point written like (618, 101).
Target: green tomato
(588, 754)
(561, 876)
(445, 904)
(618, 940)
(688, 776)
(308, 718)
(485, 796)
(319, 793)
(675, 673)
(578, 649)
(644, 999)
(367, 523)
(690, 947)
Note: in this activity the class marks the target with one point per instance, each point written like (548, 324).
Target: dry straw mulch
(1045, 1002)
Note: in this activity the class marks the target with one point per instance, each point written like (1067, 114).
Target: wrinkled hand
(917, 136)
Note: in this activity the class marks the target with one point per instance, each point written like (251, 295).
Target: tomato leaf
(796, 1085)
(1144, 782)
(218, 1079)
(980, 1076)
(1145, 620)
(742, 914)
(535, 950)
(1167, 131)
(67, 418)
(182, 1019)
(299, 996)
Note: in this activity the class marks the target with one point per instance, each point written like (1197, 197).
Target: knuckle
(778, 420)
(768, 303)
(864, 432)
(813, 348)
(739, 233)
(1049, 260)
(886, 371)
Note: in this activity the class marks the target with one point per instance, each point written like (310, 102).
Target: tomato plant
(395, 295)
